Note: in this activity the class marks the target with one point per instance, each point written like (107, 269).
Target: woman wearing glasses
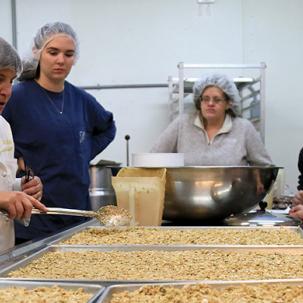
(57, 128)
(214, 134)
(18, 204)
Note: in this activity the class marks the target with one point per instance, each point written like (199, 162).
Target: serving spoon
(109, 215)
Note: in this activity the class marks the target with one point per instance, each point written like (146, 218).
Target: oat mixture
(53, 294)
(200, 293)
(155, 265)
(111, 215)
(141, 235)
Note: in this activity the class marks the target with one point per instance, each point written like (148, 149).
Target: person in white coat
(17, 196)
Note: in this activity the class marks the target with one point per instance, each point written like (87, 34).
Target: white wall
(140, 41)
(5, 20)
(274, 31)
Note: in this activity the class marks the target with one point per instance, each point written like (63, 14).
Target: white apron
(8, 167)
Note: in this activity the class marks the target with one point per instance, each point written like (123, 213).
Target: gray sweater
(237, 142)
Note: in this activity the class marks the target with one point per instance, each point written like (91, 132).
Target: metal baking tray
(114, 289)
(93, 289)
(23, 250)
(5, 271)
(67, 235)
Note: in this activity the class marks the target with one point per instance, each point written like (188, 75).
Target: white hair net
(44, 35)
(224, 83)
(9, 57)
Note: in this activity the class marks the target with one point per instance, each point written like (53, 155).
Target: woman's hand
(298, 198)
(32, 187)
(297, 212)
(19, 205)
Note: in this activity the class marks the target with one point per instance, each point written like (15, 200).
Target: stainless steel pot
(214, 193)
(101, 191)
(7, 235)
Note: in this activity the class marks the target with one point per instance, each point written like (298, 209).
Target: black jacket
(300, 166)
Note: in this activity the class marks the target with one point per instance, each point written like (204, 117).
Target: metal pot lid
(262, 218)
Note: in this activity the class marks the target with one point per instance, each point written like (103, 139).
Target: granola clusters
(141, 235)
(262, 293)
(111, 215)
(152, 265)
(43, 294)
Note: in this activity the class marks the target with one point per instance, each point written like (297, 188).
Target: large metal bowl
(214, 193)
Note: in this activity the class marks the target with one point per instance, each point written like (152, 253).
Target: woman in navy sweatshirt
(57, 128)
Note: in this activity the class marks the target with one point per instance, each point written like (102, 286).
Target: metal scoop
(108, 215)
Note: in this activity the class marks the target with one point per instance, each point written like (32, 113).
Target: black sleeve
(300, 167)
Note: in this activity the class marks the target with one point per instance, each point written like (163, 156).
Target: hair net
(44, 35)
(9, 57)
(224, 83)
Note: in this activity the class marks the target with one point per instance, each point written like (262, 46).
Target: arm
(298, 198)
(167, 142)
(256, 152)
(259, 184)
(300, 167)
(18, 204)
(103, 128)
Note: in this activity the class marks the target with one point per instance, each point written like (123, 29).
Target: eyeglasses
(215, 100)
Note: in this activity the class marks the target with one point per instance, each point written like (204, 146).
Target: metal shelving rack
(252, 90)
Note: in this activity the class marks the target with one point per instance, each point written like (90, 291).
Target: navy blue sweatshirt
(57, 146)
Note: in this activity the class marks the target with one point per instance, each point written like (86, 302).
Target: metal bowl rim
(212, 167)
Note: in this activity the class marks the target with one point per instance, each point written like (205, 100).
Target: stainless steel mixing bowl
(214, 193)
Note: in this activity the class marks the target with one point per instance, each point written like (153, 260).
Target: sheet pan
(93, 289)
(114, 289)
(5, 271)
(296, 229)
